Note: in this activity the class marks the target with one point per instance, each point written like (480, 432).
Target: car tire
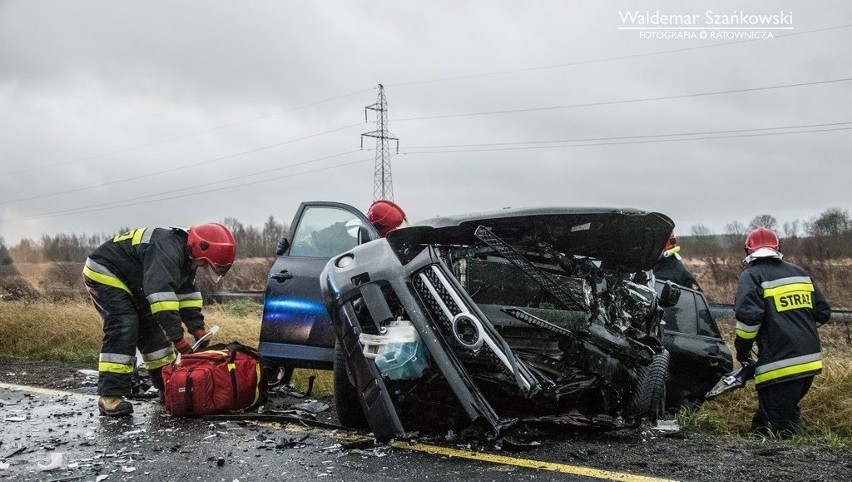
(346, 402)
(649, 399)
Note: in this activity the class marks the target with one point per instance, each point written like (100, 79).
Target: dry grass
(72, 332)
(36, 329)
(826, 409)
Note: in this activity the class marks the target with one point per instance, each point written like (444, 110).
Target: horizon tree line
(252, 242)
(827, 236)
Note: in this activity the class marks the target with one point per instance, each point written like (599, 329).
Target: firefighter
(386, 216)
(780, 307)
(143, 285)
(670, 267)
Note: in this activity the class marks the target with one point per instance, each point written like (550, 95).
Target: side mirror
(670, 295)
(281, 246)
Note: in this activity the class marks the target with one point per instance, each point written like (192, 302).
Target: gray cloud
(81, 79)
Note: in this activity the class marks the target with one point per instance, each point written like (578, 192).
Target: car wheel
(649, 399)
(346, 402)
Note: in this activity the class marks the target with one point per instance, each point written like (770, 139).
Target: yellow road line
(423, 447)
(526, 463)
(486, 457)
(46, 391)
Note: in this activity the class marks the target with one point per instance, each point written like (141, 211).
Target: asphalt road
(40, 423)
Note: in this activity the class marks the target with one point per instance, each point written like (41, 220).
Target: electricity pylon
(382, 181)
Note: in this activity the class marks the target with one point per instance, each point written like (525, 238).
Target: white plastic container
(399, 353)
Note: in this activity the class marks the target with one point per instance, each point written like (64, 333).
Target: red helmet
(385, 216)
(213, 243)
(671, 243)
(762, 238)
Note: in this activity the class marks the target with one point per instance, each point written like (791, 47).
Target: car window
(682, 317)
(325, 231)
(706, 324)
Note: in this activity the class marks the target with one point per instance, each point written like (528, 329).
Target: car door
(699, 355)
(295, 329)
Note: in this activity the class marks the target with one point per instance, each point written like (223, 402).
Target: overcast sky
(120, 113)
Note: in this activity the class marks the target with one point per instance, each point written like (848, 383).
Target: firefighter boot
(157, 381)
(114, 406)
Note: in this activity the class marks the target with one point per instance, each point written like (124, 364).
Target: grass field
(71, 332)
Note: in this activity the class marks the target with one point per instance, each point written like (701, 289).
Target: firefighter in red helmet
(670, 267)
(385, 216)
(143, 285)
(778, 306)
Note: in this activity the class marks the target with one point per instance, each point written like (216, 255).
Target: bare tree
(699, 230)
(735, 233)
(833, 222)
(791, 230)
(272, 232)
(763, 221)
(735, 228)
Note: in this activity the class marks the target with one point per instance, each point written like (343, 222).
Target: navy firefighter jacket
(154, 267)
(779, 306)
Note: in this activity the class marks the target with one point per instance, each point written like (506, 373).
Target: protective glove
(199, 334)
(182, 346)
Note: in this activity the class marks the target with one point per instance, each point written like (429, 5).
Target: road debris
(312, 406)
(54, 463)
(289, 390)
(666, 427)
(13, 451)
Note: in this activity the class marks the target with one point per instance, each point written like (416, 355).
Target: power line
(147, 198)
(645, 136)
(184, 136)
(627, 101)
(187, 166)
(638, 141)
(609, 59)
(508, 111)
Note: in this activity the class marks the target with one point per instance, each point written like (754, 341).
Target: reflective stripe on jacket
(153, 265)
(778, 306)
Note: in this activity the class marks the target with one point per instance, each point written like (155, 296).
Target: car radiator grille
(442, 303)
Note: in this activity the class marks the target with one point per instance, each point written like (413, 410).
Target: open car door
(296, 330)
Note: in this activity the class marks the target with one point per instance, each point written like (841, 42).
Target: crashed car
(536, 315)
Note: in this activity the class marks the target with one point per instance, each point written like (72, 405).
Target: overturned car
(518, 315)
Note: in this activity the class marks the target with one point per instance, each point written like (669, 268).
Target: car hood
(624, 238)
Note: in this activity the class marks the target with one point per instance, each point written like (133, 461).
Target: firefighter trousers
(126, 327)
(778, 410)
